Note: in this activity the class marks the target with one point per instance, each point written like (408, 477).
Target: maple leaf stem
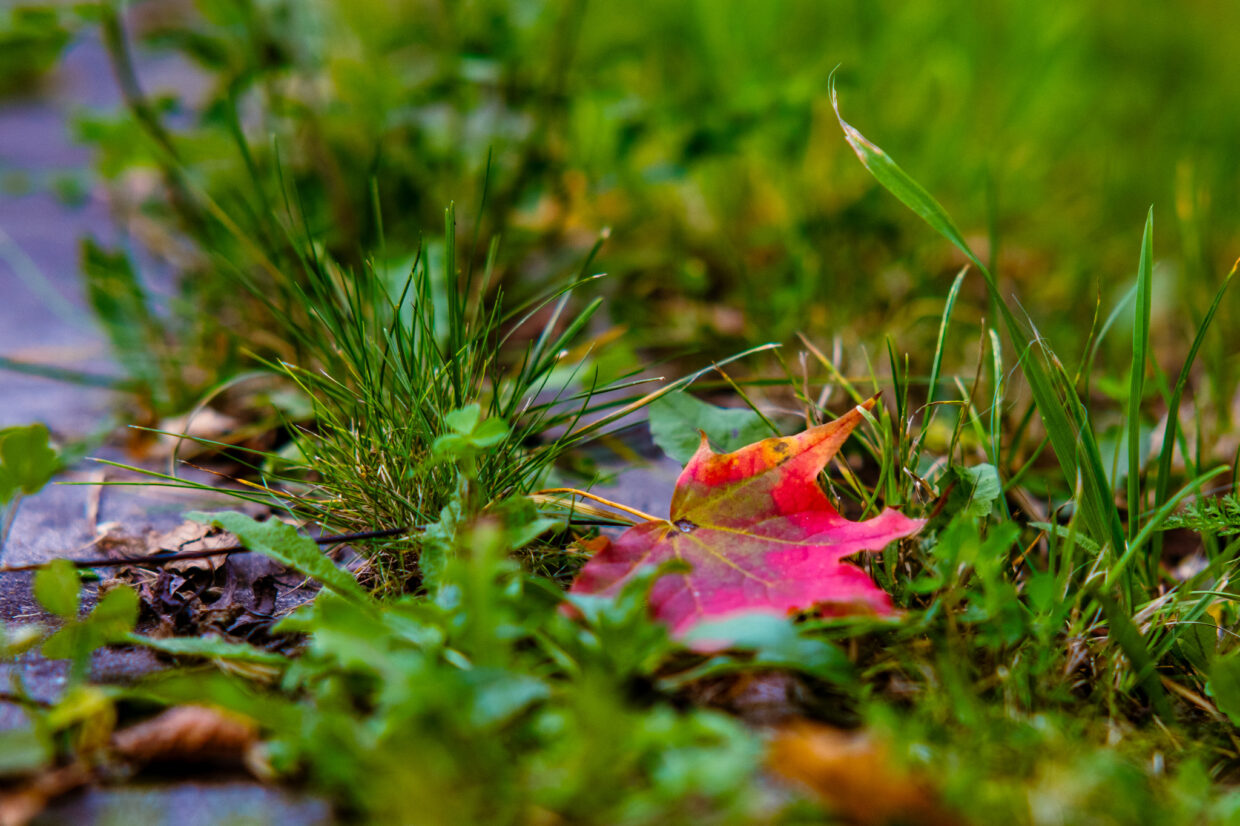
(586, 495)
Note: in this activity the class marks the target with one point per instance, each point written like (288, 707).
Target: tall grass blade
(1140, 355)
(1064, 416)
(937, 365)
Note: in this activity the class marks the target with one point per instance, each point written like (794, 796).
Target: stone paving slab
(44, 318)
(221, 803)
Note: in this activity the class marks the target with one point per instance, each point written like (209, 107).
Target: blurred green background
(701, 135)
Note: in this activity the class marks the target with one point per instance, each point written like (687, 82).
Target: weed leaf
(1225, 685)
(678, 420)
(27, 461)
(285, 545)
(56, 588)
(210, 647)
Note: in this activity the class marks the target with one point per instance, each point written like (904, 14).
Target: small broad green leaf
(489, 433)
(68, 642)
(449, 444)
(523, 534)
(57, 588)
(978, 488)
(112, 620)
(677, 421)
(27, 460)
(344, 631)
(285, 545)
(23, 751)
(776, 643)
(521, 521)
(115, 615)
(1042, 589)
(1224, 685)
(465, 419)
(79, 704)
(500, 695)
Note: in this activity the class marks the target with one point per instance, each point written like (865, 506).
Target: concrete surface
(44, 318)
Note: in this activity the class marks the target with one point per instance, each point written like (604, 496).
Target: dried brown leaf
(188, 733)
(191, 536)
(854, 775)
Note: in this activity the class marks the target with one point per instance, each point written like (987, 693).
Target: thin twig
(163, 556)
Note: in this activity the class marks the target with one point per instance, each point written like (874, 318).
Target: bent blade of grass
(898, 182)
(1062, 413)
(1136, 390)
(1064, 416)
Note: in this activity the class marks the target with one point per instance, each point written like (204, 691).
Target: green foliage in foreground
(701, 134)
(483, 701)
(487, 702)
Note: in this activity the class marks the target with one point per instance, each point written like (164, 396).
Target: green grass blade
(1063, 415)
(898, 182)
(1136, 390)
(937, 365)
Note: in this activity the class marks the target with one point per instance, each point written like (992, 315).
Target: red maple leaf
(758, 535)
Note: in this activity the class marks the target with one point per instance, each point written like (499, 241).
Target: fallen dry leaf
(188, 734)
(758, 534)
(855, 777)
(191, 536)
(112, 537)
(232, 595)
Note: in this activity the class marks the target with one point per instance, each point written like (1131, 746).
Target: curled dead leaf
(188, 733)
(113, 538)
(191, 536)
